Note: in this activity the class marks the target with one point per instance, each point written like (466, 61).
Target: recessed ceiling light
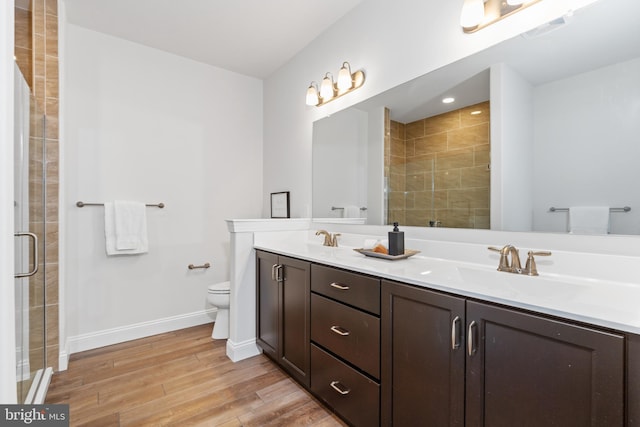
(448, 100)
(475, 113)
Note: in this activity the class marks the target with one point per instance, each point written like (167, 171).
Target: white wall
(511, 150)
(141, 124)
(375, 36)
(337, 183)
(586, 163)
(7, 298)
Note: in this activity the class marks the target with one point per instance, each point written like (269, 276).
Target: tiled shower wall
(36, 51)
(438, 169)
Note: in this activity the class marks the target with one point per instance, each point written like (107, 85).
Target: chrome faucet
(510, 260)
(329, 239)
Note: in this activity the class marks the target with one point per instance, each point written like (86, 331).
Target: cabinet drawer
(351, 288)
(351, 334)
(351, 394)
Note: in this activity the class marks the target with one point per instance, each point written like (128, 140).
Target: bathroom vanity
(382, 350)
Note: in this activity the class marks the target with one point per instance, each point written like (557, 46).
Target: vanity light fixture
(327, 88)
(330, 90)
(477, 14)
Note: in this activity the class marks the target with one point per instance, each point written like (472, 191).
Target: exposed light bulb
(326, 88)
(472, 13)
(345, 81)
(312, 94)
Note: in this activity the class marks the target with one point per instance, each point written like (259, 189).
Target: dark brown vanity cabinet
(345, 350)
(448, 362)
(283, 307)
(633, 380)
(423, 357)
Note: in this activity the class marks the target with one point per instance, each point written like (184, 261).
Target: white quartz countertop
(595, 300)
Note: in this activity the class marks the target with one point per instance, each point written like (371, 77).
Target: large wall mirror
(547, 119)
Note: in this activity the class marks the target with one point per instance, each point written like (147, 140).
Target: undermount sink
(553, 290)
(515, 285)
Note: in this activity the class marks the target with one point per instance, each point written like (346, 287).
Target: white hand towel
(351, 212)
(125, 227)
(589, 220)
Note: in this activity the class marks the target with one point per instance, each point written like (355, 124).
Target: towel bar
(205, 265)
(83, 204)
(335, 208)
(625, 209)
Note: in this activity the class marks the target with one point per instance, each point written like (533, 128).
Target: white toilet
(218, 295)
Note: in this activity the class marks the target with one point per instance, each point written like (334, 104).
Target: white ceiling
(250, 37)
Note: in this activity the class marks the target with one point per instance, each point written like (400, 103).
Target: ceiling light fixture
(329, 90)
(448, 100)
(477, 14)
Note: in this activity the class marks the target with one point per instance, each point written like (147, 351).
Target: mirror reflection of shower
(437, 169)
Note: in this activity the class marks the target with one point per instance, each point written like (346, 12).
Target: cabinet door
(294, 318)
(423, 357)
(525, 370)
(633, 380)
(267, 305)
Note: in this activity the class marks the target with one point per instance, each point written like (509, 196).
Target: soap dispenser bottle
(396, 241)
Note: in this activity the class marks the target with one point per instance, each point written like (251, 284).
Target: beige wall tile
(51, 7)
(397, 147)
(414, 130)
(420, 163)
(51, 79)
(51, 28)
(435, 143)
(448, 179)
(468, 136)
(37, 6)
(422, 200)
(468, 119)
(454, 159)
(442, 123)
(416, 182)
(51, 238)
(456, 218)
(25, 63)
(481, 155)
(478, 176)
(51, 110)
(397, 182)
(469, 198)
(416, 218)
(23, 28)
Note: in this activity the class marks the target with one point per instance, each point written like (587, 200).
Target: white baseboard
(112, 336)
(242, 350)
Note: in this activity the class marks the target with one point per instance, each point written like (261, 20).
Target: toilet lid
(219, 288)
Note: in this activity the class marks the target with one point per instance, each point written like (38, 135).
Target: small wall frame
(280, 205)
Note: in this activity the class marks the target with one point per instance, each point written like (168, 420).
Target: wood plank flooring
(181, 378)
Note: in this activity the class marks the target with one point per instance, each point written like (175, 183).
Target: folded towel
(589, 220)
(351, 212)
(125, 227)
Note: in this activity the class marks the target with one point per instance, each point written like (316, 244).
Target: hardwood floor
(181, 378)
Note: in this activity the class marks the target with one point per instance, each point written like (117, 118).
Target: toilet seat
(219, 288)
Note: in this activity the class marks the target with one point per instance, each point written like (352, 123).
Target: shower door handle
(34, 252)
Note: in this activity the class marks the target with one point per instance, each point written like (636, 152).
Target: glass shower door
(29, 188)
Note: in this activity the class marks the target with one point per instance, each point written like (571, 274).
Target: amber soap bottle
(396, 241)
